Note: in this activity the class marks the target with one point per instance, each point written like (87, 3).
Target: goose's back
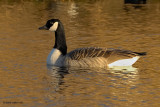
(92, 56)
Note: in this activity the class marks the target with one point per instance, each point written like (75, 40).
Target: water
(25, 81)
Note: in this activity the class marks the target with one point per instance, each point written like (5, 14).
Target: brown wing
(110, 54)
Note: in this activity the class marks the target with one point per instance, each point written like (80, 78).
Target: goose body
(85, 57)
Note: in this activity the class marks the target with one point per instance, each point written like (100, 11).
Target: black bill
(43, 28)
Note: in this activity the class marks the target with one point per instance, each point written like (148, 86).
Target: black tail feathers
(141, 53)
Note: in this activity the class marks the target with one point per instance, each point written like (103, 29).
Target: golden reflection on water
(105, 23)
(96, 87)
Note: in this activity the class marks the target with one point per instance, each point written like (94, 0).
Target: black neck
(60, 40)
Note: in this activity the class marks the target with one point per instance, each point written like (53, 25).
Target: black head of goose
(85, 57)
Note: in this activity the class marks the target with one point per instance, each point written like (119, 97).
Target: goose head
(56, 26)
(51, 25)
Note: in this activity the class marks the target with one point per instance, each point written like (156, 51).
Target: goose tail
(141, 53)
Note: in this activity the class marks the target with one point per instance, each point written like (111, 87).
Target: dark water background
(25, 80)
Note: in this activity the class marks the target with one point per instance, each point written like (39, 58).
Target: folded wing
(111, 55)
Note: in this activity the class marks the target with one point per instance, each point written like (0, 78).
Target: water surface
(26, 81)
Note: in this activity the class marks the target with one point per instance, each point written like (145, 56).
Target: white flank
(124, 62)
(54, 27)
(53, 57)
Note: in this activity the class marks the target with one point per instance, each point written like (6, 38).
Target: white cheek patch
(54, 27)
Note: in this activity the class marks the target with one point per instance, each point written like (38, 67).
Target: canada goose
(85, 57)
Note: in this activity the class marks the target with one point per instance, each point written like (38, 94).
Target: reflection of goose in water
(71, 79)
(85, 57)
(56, 75)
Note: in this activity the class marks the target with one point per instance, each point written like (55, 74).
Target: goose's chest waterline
(55, 57)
